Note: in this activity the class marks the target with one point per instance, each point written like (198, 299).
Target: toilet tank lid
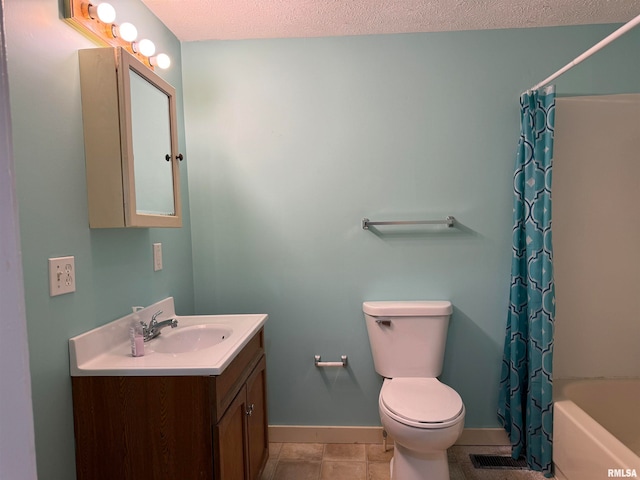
(422, 308)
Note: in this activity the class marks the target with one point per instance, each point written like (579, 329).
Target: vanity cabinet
(131, 142)
(174, 427)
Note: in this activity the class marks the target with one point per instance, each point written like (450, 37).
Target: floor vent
(498, 462)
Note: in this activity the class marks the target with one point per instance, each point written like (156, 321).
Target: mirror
(151, 137)
(129, 119)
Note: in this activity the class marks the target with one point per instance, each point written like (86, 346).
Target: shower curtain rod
(601, 44)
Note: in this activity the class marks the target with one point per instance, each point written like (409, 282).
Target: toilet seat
(421, 402)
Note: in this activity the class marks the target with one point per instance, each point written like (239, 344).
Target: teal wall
(114, 267)
(293, 141)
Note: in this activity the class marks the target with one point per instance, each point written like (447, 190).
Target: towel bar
(449, 222)
(343, 363)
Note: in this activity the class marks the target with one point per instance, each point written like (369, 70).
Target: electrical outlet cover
(62, 275)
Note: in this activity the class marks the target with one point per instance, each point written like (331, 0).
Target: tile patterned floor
(316, 461)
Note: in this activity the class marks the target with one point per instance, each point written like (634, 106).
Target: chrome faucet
(154, 328)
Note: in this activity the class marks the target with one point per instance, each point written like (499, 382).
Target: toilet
(423, 415)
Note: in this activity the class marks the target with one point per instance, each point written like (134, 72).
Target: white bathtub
(596, 429)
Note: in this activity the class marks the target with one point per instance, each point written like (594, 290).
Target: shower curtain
(525, 402)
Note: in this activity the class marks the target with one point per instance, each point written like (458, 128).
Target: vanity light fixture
(126, 31)
(95, 19)
(145, 47)
(102, 11)
(161, 60)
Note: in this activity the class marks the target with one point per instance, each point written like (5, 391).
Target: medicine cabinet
(130, 139)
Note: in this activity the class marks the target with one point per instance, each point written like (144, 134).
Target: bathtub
(596, 429)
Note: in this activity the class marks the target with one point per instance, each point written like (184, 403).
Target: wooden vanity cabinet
(175, 427)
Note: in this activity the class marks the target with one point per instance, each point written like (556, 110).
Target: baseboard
(332, 434)
(321, 434)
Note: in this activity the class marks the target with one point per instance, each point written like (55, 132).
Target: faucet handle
(155, 316)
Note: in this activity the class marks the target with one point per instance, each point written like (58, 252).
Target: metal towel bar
(343, 363)
(450, 221)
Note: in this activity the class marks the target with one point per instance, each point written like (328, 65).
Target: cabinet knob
(167, 157)
(179, 157)
(249, 411)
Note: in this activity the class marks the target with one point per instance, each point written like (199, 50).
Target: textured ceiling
(192, 20)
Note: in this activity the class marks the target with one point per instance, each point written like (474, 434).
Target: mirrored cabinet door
(130, 137)
(151, 139)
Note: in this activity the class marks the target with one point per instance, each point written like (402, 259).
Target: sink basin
(199, 345)
(189, 339)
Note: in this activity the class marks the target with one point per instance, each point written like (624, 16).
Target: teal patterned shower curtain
(525, 406)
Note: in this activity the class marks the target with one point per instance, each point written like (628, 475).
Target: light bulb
(127, 31)
(161, 60)
(146, 47)
(104, 12)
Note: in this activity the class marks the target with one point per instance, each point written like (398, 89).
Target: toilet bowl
(425, 418)
(423, 415)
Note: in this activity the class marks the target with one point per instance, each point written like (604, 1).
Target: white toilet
(424, 416)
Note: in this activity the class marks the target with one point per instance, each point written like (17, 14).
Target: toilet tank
(408, 338)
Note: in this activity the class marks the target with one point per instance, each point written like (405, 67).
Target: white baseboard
(323, 434)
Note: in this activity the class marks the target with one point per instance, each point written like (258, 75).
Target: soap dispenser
(136, 334)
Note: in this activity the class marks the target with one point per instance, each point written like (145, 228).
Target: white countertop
(106, 351)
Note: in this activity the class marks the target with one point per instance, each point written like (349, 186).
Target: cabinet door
(150, 146)
(231, 439)
(258, 448)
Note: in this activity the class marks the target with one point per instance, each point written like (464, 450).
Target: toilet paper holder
(342, 363)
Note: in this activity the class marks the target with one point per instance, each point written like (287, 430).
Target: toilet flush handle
(383, 321)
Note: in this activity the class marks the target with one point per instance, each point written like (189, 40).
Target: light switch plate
(157, 257)
(62, 275)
